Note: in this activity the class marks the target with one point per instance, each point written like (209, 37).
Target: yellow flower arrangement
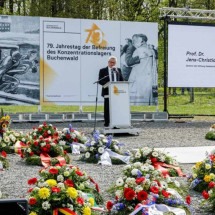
(86, 211)
(207, 166)
(207, 178)
(51, 182)
(7, 117)
(203, 173)
(44, 193)
(198, 164)
(91, 201)
(54, 192)
(212, 175)
(72, 192)
(33, 213)
(4, 122)
(3, 118)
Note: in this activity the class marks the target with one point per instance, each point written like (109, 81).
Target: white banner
(60, 60)
(191, 58)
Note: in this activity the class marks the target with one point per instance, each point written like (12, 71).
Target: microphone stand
(97, 87)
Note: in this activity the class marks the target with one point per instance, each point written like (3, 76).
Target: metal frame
(167, 14)
(187, 13)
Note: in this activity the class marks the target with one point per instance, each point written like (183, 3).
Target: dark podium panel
(13, 207)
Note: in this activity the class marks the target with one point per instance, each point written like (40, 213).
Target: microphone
(114, 69)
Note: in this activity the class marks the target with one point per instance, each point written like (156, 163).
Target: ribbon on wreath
(19, 146)
(106, 157)
(77, 148)
(157, 209)
(96, 185)
(65, 211)
(161, 167)
(98, 209)
(46, 160)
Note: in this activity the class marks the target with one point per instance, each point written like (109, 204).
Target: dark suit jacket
(130, 61)
(104, 72)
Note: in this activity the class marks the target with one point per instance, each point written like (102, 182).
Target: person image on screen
(143, 75)
(107, 74)
(127, 61)
(12, 66)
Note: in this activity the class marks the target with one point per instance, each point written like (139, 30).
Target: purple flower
(97, 156)
(96, 136)
(70, 127)
(119, 206)
(139, 174)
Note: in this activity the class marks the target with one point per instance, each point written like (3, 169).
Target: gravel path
(13, 182)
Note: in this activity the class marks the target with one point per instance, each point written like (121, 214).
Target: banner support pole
(39, 108)
(165, 63)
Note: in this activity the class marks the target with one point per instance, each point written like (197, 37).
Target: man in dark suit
(127, 59)
(107, 74)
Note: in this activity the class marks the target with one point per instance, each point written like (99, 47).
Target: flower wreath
(45, 151)
(160, 160)
(44, 130)
(70, 136)
(9, 140)
(4, 122)
(142, 185)
(211, 134)
(96, 147)
(203, 173)
(208, 195)
(65, 189)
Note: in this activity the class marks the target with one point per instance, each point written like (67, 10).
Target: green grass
(58, 108)
(204, 104)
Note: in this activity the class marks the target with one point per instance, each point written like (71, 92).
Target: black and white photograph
(19, 60)
(139, 57)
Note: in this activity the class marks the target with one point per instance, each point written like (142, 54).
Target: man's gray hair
(112, 57)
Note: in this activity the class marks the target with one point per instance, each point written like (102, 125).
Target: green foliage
(210, 135)
(4, 162)
(2, 112)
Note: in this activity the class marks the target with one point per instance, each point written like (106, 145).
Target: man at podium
(107, 74)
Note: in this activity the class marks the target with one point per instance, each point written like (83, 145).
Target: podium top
(116, 82)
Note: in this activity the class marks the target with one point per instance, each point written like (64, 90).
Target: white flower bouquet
(159, 159)
(9, 140)
(100, 144)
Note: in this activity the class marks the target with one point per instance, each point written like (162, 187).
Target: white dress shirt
(110, 71)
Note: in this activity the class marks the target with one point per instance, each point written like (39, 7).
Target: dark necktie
(112, 75)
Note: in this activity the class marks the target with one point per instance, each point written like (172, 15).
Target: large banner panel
(60, 61)
(57, 60)
(191, 57)
(19, 60)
